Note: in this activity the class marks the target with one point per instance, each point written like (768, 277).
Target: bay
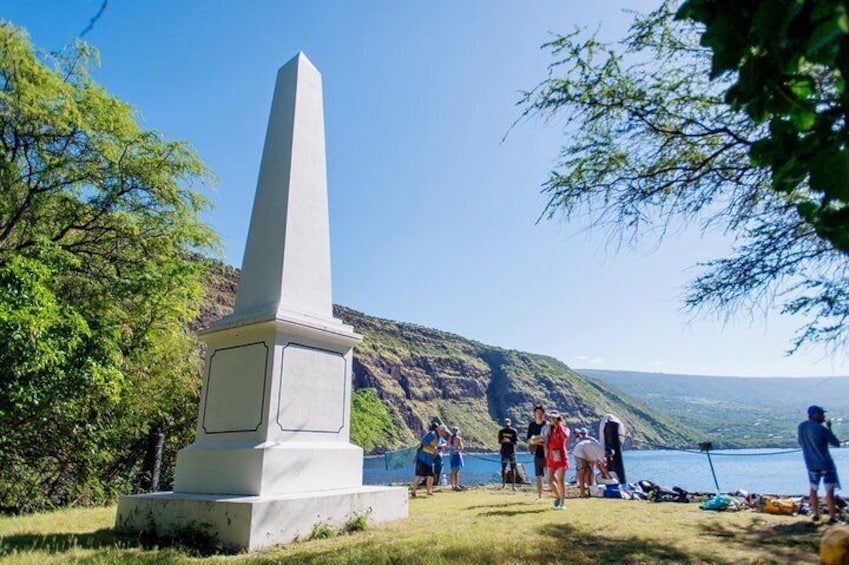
(765, 471)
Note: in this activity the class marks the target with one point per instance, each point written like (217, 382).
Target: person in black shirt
(507, 438)
(536, 444)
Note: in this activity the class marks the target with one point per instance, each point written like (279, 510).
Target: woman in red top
(557, 458)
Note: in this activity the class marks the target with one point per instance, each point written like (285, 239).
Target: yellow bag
(780, 506)
(834, 547)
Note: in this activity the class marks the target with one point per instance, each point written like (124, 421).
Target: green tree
(652, 146)
(372, 424)
(99, 224)
(788, 60)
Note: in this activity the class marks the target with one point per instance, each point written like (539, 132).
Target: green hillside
(737, 411)
(405, 375)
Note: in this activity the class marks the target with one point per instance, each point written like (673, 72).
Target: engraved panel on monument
(235, 389)
(312, 390)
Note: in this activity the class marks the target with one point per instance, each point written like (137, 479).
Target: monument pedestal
(271, 457)
(255, 522)
(270, 467)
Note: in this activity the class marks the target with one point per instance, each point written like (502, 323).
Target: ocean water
(765, 471)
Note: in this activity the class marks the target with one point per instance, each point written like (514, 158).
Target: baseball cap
(554, 414)
(508, 421)
(814, 409)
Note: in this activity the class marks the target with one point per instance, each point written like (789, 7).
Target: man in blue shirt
(814, 437)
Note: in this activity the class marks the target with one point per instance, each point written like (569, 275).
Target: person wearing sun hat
(814, 435)
(557, 460)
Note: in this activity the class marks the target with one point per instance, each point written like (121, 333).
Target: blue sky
(432, 215)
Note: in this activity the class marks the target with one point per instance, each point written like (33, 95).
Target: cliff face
(420, 373)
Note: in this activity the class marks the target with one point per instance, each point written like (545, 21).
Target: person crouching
(588, 454)
(426, 455)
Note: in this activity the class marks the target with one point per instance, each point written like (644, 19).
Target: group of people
(429, 457)
(547, 439)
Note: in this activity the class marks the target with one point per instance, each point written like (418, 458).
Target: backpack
(773, 505)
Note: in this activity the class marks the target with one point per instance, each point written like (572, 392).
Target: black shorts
(539, 465)
(423, 469)
(509, 458)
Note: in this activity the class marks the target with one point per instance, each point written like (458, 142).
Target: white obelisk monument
(272, 456)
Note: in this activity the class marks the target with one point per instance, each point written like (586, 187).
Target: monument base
(270, 468)
(254, 522)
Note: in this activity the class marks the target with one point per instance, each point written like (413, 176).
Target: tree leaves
(99, 230)
(790, 60)
(658, 134)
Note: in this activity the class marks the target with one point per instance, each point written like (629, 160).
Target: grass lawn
(476, 526)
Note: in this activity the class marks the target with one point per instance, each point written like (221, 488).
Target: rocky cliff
(413, 374)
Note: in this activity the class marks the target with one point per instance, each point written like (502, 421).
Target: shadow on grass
(515, 512)
(787, 541)
(107, 538)
(57, 543)
(561, 543)
(571, 545)
(564, 545)
(499, 505)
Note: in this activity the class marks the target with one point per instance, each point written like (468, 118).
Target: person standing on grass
(437, 462)
(507, 438)
(814, 435)
(537, 433)
(557, 458)
(426, 455)
(456, 458)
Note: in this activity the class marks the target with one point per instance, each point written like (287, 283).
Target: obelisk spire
(286, 266)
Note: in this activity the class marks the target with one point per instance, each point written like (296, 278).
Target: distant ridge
(736, 411)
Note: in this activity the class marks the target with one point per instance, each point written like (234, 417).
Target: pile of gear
(769, 504)
(730, 502)
(641, 490)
